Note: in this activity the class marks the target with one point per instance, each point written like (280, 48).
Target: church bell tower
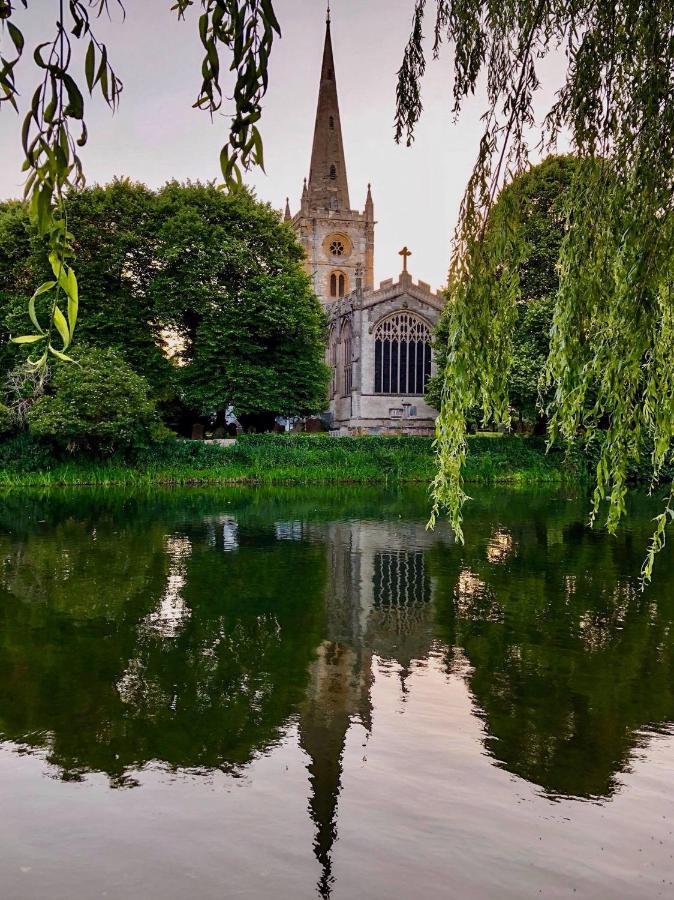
(338, 241)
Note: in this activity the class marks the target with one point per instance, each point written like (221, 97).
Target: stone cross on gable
(405, 253)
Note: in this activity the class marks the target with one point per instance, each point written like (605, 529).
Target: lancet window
(337, 284)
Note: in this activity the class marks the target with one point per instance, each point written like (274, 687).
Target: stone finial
(369, 205)
(287, 217)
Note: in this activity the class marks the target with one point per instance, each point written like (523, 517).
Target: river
(301, 693)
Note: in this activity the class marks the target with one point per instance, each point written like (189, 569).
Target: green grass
(288, 459)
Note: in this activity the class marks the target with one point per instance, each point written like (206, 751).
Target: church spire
(328, 187)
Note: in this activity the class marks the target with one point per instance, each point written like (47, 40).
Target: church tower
(339, 241)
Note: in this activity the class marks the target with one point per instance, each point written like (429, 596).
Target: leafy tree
(535, 201)
(54, 128)
(116, 229)
(218, 278)
(232, 288)
(611, 361)
(100, 405)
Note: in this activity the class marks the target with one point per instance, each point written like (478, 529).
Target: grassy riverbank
(289, 459)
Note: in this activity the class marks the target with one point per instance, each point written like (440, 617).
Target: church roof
(328, 186)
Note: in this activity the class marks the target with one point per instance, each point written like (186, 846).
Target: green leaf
(16, 36)
(27, 339)
(75, 107)
(33, 315)
(44, 287)
(89, 66)
(73, 300)
(62, 356)
(70, 284)
(62, 327)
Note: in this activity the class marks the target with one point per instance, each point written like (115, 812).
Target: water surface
(303, 693)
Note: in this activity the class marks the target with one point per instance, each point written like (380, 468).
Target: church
(379, 345)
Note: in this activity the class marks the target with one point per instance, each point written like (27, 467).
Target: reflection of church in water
(378, 604)
(379, 341)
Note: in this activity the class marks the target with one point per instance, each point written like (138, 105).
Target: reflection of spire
(339, 692)
(378, 601)
(404, 674)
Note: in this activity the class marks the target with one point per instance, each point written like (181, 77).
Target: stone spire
(328, 187)
(287, 217)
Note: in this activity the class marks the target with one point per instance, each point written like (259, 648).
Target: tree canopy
(216, 277)
(611, 361)
(539, 197)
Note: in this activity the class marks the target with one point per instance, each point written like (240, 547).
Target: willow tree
(611, 360)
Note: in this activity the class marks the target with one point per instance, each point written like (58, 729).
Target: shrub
(6, 420)
(99, 406)
(24, 453)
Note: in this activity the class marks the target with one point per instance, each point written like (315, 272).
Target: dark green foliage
(114, 226)
(99, 406)
(611, 361)
(232, 287)
(24, 453)
(6, 420)
(535, 202)
(218, 273)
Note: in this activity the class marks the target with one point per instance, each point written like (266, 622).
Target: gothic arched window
(402, 355)
(337, 284)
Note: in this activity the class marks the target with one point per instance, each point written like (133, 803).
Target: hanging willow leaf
(59, 355)
(61, 327)
(28, 339)
(51, 149)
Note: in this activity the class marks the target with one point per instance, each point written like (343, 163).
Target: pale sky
(156, 135)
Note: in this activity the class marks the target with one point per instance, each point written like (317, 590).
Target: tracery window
(337, 248)
(402, 355)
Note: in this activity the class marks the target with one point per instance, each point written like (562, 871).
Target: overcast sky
(156, 135)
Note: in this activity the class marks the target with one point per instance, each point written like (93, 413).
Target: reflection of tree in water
(570, 662)
(133, 645)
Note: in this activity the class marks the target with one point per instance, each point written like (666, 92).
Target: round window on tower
(337, 246)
